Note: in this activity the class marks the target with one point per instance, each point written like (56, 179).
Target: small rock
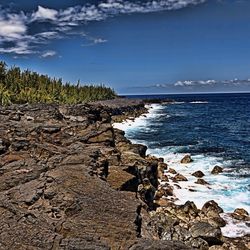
(180, 177)
(198, 174)
(172, 171)
(169, 191)
(186, 159)
(15, 117)
(201, 182)
(29, 118)
(240, 214)
(217, 170)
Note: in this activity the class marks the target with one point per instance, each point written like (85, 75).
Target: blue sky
(136, 47)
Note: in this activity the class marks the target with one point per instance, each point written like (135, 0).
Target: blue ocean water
(215, 130)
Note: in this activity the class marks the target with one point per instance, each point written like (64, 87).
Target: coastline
(234, 227)
(68, 176)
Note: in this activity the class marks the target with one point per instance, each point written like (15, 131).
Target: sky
(135, 47)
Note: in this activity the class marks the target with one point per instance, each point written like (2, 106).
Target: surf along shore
(172, 182)
(70, 180)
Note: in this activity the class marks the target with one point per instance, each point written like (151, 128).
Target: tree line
(17, 86)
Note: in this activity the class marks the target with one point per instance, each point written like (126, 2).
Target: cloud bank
(17, 37)
(235, 85)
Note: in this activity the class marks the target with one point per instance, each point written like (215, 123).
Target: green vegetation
(18, 86)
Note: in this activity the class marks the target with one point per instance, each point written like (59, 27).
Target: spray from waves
(229, 192)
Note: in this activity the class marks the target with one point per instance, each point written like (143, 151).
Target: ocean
(215, 130)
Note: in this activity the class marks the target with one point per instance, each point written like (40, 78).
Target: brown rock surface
(66, 181)
(186, 159)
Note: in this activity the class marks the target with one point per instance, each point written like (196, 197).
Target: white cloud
(49, 53)
(15, 27)
(44, 14)
(100, 40)
(12, 27)
(20, 48)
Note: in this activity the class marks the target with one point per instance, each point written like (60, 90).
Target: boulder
(217, 170)
(210, 234)
(160, 170)
(240, 214)
(198, 174)
(186, 159)
(179, 177)
(147, 192)
(217, 221)
(172, 171)
(201, 181)
(211, 209)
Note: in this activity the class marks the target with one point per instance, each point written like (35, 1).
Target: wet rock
(159, 193)
(211, 209)
(160, 169)
(169, 190)
(217, 221)
(240, 214)
(189, 208)
(179, 177)
(207, 232)
(186, 159)
(217, 170)
(201, 181)
(172, 171)
(198, 174)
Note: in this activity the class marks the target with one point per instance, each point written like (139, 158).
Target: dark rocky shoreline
(69, 180)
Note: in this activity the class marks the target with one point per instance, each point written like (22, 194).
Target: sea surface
(215, 130)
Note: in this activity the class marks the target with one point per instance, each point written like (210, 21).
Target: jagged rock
(159, 193)
(186, 159)
(169, 191)
(240, 214)
(199, 243)
(4, 144)
(121, 180)
(198, 174)
(217, 221)
(201, 181)
(179, 177)
(147, 192)
(217, 170)
(160, 171)
(207, 232)
(211, 209)
(172, 171)
(189, 208)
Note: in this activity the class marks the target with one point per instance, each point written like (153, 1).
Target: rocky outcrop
(188, 224)
(217, 170)
(186, 159)
(198, 174)
(68, 180)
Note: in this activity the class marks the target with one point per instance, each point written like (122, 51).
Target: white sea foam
(234, 228)
(225, 189)
(198, 102)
